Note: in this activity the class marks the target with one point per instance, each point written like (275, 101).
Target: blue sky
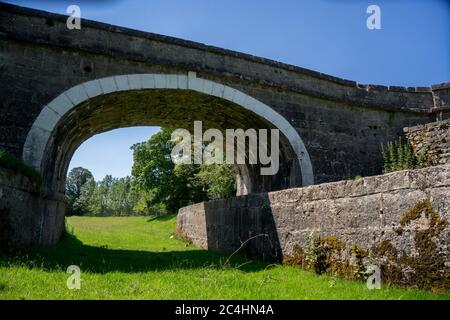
(330, 36)
(109, 152)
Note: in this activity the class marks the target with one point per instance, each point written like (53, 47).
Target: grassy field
(137, 258)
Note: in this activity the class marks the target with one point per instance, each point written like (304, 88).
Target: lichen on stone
(426, 268)
(424, 206)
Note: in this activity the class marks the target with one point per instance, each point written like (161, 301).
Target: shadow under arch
(41, 130)
(102, 260)
(169, 100)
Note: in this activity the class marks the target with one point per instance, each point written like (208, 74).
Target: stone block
(93, 88)
(135, 81)
(122, 83)
(108, 85)
(61, 104)
(47, 119)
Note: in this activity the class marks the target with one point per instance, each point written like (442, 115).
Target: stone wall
(26, 218)
(341, 122)
(431, 140)
(19, 202)
(397, 221)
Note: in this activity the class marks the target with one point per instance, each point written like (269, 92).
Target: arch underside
(63, 125)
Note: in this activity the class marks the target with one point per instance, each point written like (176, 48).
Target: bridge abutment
(60, 87)
(26, 216)
(398, 222)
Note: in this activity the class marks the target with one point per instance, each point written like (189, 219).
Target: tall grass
(399, 155)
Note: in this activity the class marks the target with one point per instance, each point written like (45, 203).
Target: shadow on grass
(165, 217)
(71, 251)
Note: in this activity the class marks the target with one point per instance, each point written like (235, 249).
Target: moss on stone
(386, 249)
(333, 243)
(426, 269)
(322, 256)
(297, 257)
(8, 161)
(423, 206)
(358, 269)
(429, 266)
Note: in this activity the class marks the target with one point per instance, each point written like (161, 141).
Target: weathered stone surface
(26, 218)
(432, 140)
(20, 208)
(341, 123)
(366, 213)
(171, 82)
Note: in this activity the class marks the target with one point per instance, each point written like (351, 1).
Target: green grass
(136, 258)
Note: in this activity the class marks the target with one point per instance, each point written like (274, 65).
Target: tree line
(156, 184)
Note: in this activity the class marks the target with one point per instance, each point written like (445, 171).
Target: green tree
(167, 186)
(121, 198)
(99, 202)
(218, 180)
(83, 202)
(157, 185)
(75, 180)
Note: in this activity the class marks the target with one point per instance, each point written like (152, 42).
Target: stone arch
(49, 117)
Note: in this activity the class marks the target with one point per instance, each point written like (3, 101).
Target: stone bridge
(59, 87)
